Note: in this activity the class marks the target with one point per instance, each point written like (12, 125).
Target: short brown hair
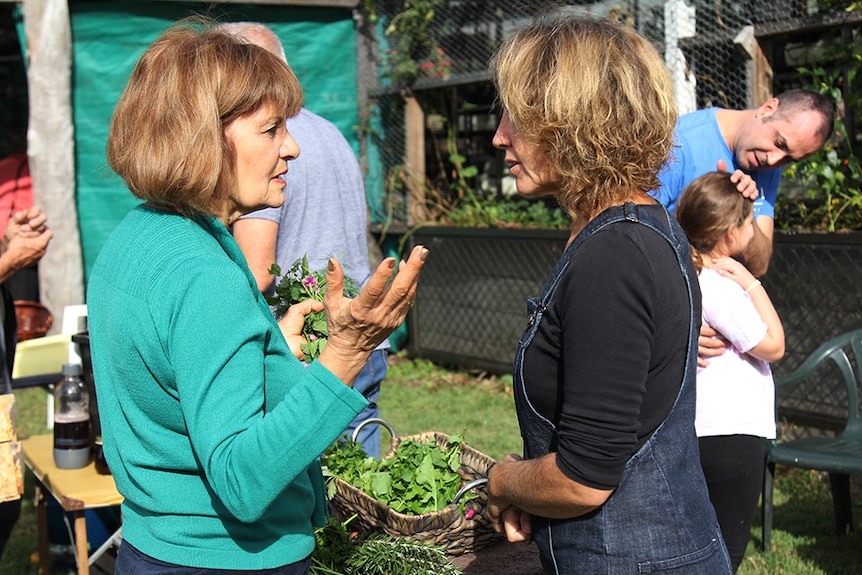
(167, 139)
(795, 101)
(708, 207)
(597, 98)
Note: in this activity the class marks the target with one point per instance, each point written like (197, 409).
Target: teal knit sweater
(211, 427)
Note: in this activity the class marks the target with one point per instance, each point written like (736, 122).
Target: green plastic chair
(840, 456)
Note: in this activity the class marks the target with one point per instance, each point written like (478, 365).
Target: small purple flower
(309, 282)
(312, 337)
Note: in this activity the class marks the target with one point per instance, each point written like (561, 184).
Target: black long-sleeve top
(608, 358)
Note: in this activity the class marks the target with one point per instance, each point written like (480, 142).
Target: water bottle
(71, 420)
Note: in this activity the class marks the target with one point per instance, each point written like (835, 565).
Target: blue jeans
(131, 561)
(368, 384)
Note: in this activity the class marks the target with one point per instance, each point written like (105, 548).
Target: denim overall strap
(659, 519)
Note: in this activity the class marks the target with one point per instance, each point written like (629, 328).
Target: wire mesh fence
(471, 306)
(814, 280)
(729, 54)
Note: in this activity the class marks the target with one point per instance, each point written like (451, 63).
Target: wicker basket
(34, 319)
(447, 527)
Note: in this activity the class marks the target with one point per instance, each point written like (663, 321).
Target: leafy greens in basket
(417, 478)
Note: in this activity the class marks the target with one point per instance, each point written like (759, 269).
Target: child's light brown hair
(708, 207)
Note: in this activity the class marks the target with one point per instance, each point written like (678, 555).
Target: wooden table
(75, 489)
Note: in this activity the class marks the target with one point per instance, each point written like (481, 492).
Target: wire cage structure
(431, 116)
(424, 74)
(813, 281)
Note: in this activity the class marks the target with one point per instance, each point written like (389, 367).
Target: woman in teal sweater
(212, 427)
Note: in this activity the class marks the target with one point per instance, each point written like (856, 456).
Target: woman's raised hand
(358, 325)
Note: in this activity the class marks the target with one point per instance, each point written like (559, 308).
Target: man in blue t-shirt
(758, 142)
(755, 143)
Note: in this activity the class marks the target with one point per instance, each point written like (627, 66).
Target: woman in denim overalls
(604, 375)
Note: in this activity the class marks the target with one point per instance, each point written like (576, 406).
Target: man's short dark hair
(795, 101)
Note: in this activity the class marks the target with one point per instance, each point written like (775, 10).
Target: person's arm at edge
(23, 251)
(710, 344)
(771, 346)
(257, 238)
(539, 487)
(8, 266)
(759, 250)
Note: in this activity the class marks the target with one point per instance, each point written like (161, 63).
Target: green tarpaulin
(109, 37)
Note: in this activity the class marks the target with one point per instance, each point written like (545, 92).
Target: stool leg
(42, 524)
(81, 543)
(840, 484)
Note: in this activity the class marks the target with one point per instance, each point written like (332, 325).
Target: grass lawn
(418, 396)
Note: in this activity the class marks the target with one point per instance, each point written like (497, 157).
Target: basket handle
(376, 420)
(468, 487)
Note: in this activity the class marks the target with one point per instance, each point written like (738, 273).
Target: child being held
(735, 392)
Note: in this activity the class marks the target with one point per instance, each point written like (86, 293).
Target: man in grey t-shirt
(325, 214)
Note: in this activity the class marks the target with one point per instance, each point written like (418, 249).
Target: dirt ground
(501, 559)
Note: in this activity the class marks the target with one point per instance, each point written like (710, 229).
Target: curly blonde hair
(596, 98)
(167, 136)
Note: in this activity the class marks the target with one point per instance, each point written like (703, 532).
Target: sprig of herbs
(338, 552)
(299, 283)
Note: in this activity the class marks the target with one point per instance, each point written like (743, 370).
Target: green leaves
(414, 52)
(299, 284)
(418, 478)
(832, 176)
(338, 552)
(508, 212)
